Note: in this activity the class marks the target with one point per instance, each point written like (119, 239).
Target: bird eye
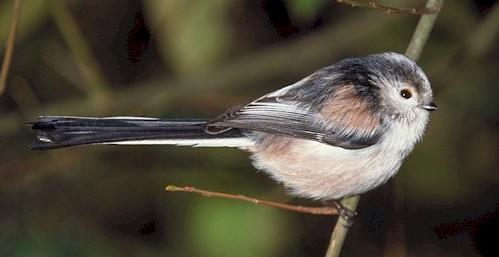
(405, 93)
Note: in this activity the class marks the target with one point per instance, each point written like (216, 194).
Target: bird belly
(315, 170)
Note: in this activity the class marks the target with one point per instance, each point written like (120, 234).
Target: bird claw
(347, 214)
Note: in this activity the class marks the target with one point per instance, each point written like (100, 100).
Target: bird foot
(347, 214)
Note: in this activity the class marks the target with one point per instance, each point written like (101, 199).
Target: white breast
(319, 171)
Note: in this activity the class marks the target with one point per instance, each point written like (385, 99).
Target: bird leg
(346, 213)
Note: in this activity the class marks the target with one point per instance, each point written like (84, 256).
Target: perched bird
(341, 131)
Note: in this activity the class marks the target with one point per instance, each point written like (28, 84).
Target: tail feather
(61, 131)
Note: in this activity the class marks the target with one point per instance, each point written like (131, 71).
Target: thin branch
(9, 51)
(324, 210)
(423, 29)
(341, 228)
(413, 51)
(389, 9)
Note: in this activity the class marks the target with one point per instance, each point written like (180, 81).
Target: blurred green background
(184, 59)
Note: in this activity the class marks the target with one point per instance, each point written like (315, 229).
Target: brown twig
(389, 9)
(9, 51)
(324, 210)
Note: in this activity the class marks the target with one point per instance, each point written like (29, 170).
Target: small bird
(341, 131)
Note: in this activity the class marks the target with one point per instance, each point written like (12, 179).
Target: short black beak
(430, 107)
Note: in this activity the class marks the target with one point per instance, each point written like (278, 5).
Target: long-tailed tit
(341, 131)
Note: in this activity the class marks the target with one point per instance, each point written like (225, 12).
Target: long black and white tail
(61, 131)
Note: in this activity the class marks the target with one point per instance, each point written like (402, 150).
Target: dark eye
(405, 93)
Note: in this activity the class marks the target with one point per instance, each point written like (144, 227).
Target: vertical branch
(423, 30)
(414, 50)
(341, 228)
(9, 50)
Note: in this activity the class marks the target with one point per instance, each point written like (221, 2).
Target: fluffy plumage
(341, 131)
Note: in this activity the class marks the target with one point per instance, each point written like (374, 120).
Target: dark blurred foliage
(196, 58)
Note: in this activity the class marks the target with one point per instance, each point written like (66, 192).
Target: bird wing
(343, 119)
